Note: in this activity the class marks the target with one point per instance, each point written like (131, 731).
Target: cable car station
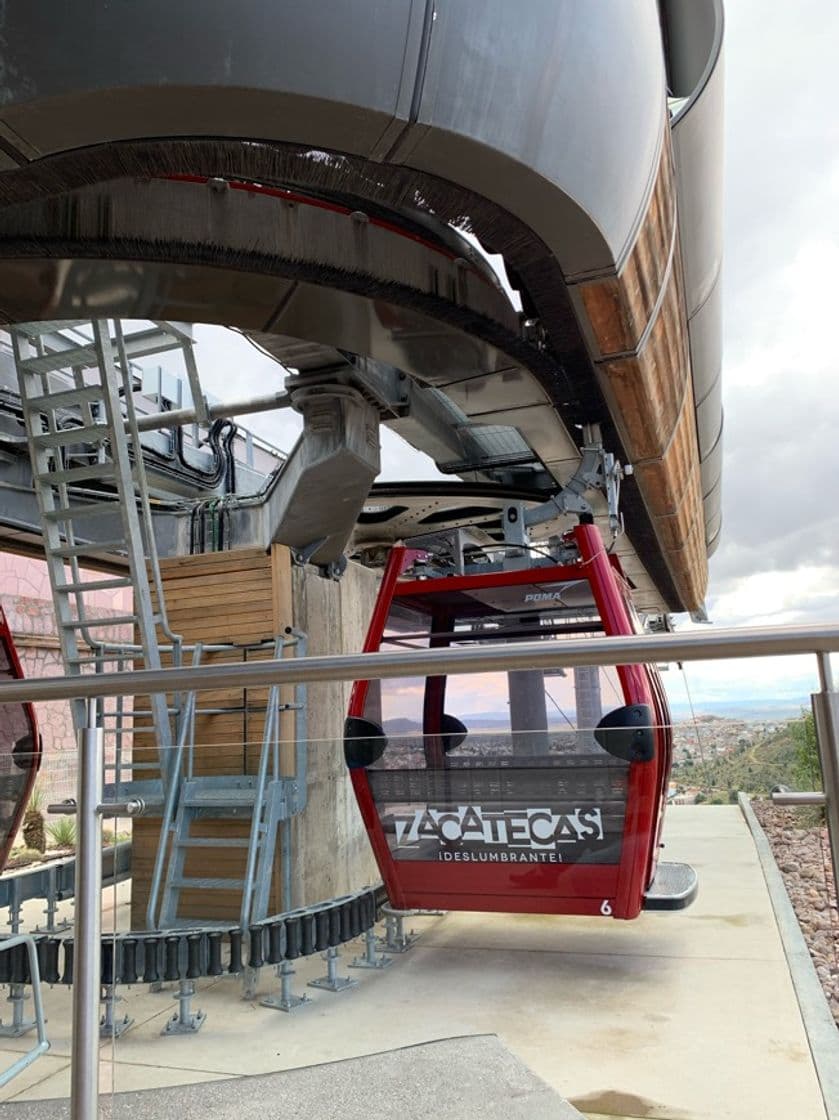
(368, 779)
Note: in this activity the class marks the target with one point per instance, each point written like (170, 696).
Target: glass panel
(502, 766)
(492, 804)
(397, 705)
(16, 754)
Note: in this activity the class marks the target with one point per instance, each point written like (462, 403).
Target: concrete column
(588, 703)
(528, 712)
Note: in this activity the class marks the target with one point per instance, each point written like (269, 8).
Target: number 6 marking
(605, 907)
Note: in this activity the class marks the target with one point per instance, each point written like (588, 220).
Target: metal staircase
(87, 463)
(77, 395)
(266, 798)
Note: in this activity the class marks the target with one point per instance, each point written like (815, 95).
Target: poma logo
(542, 596)
(535, 829)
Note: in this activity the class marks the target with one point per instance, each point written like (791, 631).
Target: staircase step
(65, 551)
(90, 473)
(140, 713)
(66, 397)
(209, 799)
(96, 585)
(207, 884)
(215, 842)
(94, 509)
(88, 623)
(73, 357)
(48, 326)
(90, 433)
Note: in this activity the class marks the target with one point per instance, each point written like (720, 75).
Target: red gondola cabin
(528, 791)
(20, 748)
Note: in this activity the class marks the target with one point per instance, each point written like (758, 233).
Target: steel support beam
(826, 717)
(84, 1062)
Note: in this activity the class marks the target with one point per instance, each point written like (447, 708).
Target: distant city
(757, 710)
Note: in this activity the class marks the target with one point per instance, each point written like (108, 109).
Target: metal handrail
(42, 1045)
(756, 641)
(269, 736)
(173, 784)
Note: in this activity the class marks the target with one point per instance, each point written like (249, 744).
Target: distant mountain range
(759, 708)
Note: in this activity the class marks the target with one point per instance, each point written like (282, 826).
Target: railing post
(826, 716)
(84, 1067)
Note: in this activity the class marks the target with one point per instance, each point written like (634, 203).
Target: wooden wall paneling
(217, 598)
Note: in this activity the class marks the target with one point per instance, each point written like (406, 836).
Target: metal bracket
(18, 1027)
(185, 1020)
(370, 960)
(396, 940)
(332, 982)
(286, 1000)
(302, 556)
(598, 470)
(109, 1026)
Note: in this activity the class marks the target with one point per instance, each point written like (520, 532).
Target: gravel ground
(802, 852)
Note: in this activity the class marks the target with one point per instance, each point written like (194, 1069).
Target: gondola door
(20, 748)
(474, 796)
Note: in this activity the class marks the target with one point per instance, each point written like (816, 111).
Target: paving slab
(454, 1078)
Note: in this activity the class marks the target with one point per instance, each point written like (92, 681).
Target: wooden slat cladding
(242, 597)
(648, 391)
(620, 307)
(638, 323)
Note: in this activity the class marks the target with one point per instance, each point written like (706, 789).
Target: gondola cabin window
(500, 766)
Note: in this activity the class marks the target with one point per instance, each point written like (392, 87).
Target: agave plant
(63, 832)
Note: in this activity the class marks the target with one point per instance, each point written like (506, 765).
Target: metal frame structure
(820, 641)
(42, 1045)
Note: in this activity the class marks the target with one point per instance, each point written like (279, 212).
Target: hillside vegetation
(787, 757)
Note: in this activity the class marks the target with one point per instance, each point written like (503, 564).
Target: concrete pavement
(686, 1016)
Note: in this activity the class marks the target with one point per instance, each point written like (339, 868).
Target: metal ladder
(266, 798)
(90, 382)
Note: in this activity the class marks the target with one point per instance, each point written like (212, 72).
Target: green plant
(63, 832)
(37, 798)
(807, 763)
(33, 821)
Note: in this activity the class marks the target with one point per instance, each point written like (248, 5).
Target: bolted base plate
(115, 1029)
(336, 985)
(402, 945)
(377, 962)
(193, 1024)
(16, 1030)
(277, 1003)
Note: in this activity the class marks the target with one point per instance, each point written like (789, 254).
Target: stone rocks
(801, 848)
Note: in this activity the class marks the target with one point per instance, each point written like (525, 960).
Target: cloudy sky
(778, 562)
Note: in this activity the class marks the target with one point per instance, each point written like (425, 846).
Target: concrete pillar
(528, 712)
(588, 703)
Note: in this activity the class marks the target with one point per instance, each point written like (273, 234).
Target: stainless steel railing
(722, 645)
(820, 641)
